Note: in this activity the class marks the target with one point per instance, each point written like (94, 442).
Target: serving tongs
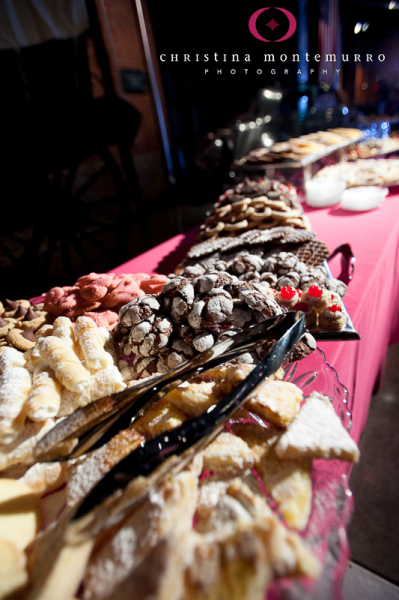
(93, 425)
(130, 481)
(168, 453)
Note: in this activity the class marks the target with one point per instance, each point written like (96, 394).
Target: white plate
(324, 191)
(363, 198)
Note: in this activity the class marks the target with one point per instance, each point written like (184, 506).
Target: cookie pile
(19, 320)
(157, 333)
(245, 215)
(296, 148)
(288, 278)
(364, 172)
(100, 296)
(258, 204)
(258, 186)
(68, 366)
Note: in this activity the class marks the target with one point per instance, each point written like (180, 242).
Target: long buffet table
(372, 299)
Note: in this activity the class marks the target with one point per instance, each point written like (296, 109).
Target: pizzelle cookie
(317, 432)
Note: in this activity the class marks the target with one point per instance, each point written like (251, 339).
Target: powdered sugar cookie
(68, 370)
(91, 342)
(45, 396)
(15, 383)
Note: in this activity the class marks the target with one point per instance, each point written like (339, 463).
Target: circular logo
(272, 24)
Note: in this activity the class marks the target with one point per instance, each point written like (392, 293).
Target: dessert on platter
(373, 148)
(99, 296)
(282, 258)
(296, 149)
(226, 526)
(364, 172)
(254, 204)
(240, 518)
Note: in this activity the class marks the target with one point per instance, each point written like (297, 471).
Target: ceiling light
(358, 27)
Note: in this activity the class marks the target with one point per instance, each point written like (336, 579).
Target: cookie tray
(297, 164)
(348, 333)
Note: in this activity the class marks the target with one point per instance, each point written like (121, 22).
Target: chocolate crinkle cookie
(139, 309)
(245, 263)
(149, 337)
(212, 280)
(335, 285)
(157, 333)
(200, 339)
(314, 276)
(260, 302)
(281, 263)
(176, 353)
(194, 271)
(178, 297)
(213, 308)
(147, 367)
(292, 279)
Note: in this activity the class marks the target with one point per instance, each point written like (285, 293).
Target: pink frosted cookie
(125, 292)
(51, 301)
(153, 284)
(102, 292)
(80, 310)
(70, 299)
(316, 297)
(87, 279)
(104, 318)
(94, 291)
(332, 318)
(118, 279)
(139, 277)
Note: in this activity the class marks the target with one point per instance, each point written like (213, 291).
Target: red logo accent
(272, 24)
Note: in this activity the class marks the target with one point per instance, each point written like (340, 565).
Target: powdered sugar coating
(15, 383)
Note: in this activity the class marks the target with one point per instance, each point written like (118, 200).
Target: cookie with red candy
(287, 296)
(316, 297)
(332, 318)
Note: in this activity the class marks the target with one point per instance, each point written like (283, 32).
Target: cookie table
(372, 299)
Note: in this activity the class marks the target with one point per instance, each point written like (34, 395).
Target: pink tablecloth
(372, 299)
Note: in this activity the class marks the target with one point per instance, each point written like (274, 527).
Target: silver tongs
(94, 425)
(168, 453)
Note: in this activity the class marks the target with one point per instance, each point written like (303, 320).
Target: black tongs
(95, 424)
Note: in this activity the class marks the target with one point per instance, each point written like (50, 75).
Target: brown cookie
(38, 306)
(13, 307)
(34, 323)
(16, 339)
(5, 326)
